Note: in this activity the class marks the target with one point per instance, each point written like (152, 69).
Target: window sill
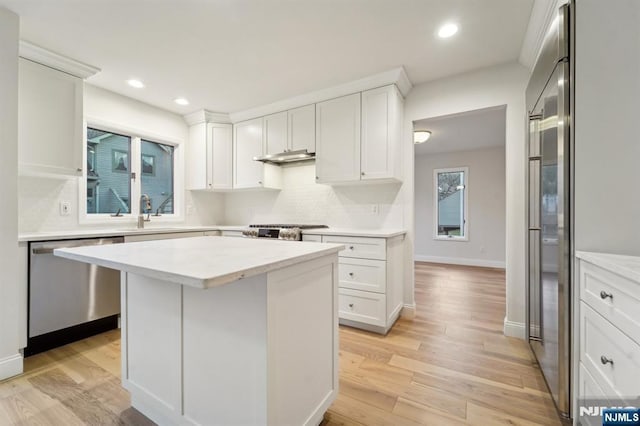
(458, 239)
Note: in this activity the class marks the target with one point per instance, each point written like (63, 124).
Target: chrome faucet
(145, 208)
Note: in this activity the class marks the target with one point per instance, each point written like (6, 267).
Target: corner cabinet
(359, 137)
(53, 100)
(247, 144)
(210, 157)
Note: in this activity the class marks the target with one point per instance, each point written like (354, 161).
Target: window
(128, 175)
(450, 201)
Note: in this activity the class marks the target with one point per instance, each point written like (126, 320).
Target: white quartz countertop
(626, 266)
(354, 232)
(116, 232)
(201, 262)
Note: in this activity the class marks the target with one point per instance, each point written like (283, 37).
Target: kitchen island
(224, 331)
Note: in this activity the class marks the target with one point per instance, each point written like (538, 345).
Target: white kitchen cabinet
(381, 149)
(210, 157)
(370, 279)
(247, 144)
(338, 140)
(275, 133)
(302, 128)
(50, 122)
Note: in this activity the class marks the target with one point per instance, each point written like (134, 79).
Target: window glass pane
(108, 172)
(451, 186)
(157, 178)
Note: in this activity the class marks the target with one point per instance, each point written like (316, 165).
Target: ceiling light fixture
(135, 83)
(181, 101)
(447, 30)
(421, 136)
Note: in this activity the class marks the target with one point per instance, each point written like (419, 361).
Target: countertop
(115, 232)
(201, 262)
(626, 266)
(354, 232)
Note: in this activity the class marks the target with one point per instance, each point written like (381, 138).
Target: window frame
(136, 135)
(465, 201)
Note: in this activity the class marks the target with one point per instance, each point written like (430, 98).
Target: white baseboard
(11, 366)
(408, 311)
(461, 261)
(514, 329)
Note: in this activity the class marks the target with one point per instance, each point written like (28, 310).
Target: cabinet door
(49, 120)
(380, 132)
(247, 144)
(275, 133)
(338, 139)
(221, 138)
(302, 128)
(198, 158)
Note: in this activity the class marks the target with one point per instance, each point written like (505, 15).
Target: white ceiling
(477, 129)
(230, 55)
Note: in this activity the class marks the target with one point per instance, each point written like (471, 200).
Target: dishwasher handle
(48, 248)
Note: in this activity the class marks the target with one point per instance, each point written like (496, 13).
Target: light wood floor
(451, 365)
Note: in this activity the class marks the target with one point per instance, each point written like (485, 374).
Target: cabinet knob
(317, 178)
(351, 305)
(351, 274)
(259, 182)
(351, 247)
(604, 295)
(604, 360)
(79, 169)
(362, 173)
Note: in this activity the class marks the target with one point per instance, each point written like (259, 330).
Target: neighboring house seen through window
(450, 203)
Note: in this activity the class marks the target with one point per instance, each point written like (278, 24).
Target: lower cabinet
(370, 280)
(608, 320)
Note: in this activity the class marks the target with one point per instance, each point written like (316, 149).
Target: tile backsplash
(302, 200)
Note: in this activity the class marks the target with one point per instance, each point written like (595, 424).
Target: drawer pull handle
(604, 360)
(351, 305)
(351, 274)
(351, 247)
(604, 295)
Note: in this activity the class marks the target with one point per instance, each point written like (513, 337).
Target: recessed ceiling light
(421, 136)
(181, 101)
(135, 83)
(447, 30)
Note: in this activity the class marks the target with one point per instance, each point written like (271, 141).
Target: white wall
(10, 358)
(39, 198)
(501, 85)
(302, 200)
(486, 208)
(607, 146)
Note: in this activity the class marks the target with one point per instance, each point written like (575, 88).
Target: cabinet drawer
(314, 238)
(598, 339)
(362, 306)
(588, 388)
(363, 274)
(361, 247)
(614, 297)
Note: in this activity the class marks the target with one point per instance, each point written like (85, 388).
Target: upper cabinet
(302, 128)
(209, 157)
(381, 134)
(53, 100)
(359, 137)
(247, 144)
(338, 140)
(275, 133)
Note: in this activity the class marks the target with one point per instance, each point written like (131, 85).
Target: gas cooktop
(281, 231)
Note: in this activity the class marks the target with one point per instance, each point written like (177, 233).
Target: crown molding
(204, 116)
(397, 76)
(543, 13)
(53, 60)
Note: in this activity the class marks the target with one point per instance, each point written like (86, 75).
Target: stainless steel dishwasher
(69, 300)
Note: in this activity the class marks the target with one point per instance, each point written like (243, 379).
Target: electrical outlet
(65, 208)
(189, 209)
(375, 209)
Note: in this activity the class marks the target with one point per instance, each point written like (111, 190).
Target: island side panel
(152, 356)
(302, 329)
(225, 353)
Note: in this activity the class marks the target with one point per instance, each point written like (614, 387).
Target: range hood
(287, 157)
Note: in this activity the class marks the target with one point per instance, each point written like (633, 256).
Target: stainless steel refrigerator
(549, 154)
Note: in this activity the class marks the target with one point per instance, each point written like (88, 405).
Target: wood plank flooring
(450, 365)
